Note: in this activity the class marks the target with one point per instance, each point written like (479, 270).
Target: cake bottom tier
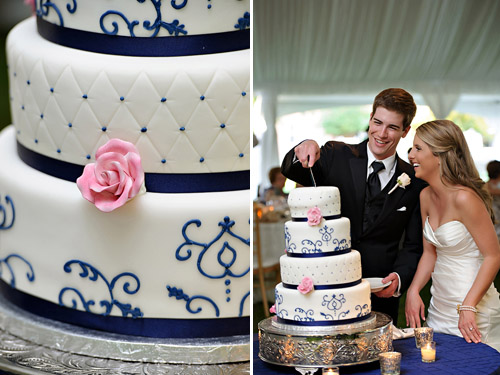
(323, 307)
(163, 265)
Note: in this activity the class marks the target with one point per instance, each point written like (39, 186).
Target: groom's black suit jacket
(393, 243)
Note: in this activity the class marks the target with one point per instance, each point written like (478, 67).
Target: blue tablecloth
(453, 356)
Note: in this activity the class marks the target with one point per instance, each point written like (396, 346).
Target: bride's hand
(414, 309)
(466, 321)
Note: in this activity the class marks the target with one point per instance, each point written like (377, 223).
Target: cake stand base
(33, 345)
(307, 348)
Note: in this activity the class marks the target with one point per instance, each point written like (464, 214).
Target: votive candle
(331, 371)
(390, 363)
(428, 351)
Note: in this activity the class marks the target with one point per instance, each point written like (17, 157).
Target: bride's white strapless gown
(458, 261)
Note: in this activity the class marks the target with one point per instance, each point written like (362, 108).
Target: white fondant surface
(326, 198)
(48, 83)
(338, 269)
(322, 305)
(54, 224)
(328, 236)
(197, 16)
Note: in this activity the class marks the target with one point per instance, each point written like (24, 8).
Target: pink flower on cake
(314, 216)
(115, 178)
(306, 285)
(272, 310)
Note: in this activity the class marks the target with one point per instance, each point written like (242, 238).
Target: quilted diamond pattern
(185, 115)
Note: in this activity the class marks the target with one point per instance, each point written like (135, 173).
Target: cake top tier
(210, 26)
(326, 198)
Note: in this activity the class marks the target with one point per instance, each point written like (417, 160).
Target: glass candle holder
(423, 335)
(331, 371)
(428, 351)
(390, 363)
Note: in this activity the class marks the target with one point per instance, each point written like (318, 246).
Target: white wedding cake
(321, 275)
(152, 98)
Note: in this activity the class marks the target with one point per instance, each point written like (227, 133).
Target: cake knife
(311, 171)
(312, 177)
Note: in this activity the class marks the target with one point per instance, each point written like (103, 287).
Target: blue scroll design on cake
(340, 316)
(289, 246)
(341, 245)
(226, 226)
(243, 22)
(226, 257)
(44, 7)
(334, 303)
(173, 28)
(7, 221)
(326, 233)
(304, 315)
(180, 295)
(93, 274)
(363, 310)
(30, 275)
(311, 247)
(278, 300)
(242, 303)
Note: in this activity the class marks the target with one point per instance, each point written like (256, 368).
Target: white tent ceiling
(317, 53)
(363, 46)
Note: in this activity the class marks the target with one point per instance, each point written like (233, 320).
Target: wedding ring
(471, 328)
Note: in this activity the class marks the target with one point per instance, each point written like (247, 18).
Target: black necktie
(373, 182)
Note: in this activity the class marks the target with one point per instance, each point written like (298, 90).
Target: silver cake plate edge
(30, 344)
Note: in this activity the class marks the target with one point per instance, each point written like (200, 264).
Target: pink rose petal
(306, 285)
(314, 216)
(115, 178)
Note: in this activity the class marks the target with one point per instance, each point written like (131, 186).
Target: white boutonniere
(402, 181)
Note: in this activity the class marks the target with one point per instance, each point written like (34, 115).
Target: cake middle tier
(326, 271)
(332, 235)
(185, 114)
(323, 307)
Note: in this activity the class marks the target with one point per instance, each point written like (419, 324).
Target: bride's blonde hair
(447, 142)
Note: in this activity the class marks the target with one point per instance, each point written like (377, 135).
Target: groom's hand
(389, 291)
(307, 153)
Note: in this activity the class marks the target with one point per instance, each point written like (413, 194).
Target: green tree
(467, 121)
(347, 121)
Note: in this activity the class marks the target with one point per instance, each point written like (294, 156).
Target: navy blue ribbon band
(326, 286)
(318, 255)
(322, 322)
(331, 217)
(155, 182)
(147, 327)
(184, 45)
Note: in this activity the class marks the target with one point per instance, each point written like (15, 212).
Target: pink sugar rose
(314, 216)
(115, 178)
(272, 310)
(306, 285)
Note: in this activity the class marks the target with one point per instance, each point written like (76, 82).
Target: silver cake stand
(33, 345)
(308, 349)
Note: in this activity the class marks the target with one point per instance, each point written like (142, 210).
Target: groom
(386, 228)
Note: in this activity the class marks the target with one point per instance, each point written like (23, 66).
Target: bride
(461, 249)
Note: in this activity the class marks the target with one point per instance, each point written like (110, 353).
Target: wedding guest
(461, 250)
(277, 183)
(365, 173)
(493, 185)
